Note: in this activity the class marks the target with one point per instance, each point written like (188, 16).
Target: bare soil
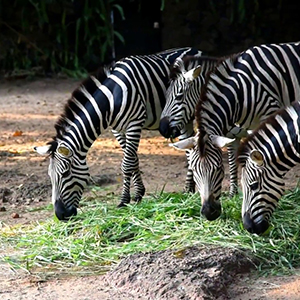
(28, 111)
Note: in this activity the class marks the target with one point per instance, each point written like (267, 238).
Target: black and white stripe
(242, 91)
(129, 99)
(265, 157)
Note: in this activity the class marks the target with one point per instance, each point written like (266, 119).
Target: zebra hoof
(138, 199)
(189, 190)
(122, 204)
(233, 194)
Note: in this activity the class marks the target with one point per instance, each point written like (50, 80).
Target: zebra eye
(179, 96)
(254, 185)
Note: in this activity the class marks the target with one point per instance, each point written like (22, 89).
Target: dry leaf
(18, 133)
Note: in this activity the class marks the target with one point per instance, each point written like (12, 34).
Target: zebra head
(261, 191)
(181, 98)
(69, 175)
(208, 172)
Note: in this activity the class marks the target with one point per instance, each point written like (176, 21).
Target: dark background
(75, 36)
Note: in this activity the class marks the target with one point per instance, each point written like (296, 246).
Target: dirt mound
(192, 273)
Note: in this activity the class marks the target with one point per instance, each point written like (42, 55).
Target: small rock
(15, 216)
(2, 208)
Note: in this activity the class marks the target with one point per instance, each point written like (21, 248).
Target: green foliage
(102, 234)
(57, 35)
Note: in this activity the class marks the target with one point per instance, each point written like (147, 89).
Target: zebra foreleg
(187, 132)
(233, 169)
(139, 187)
(131, 171)
(125, 198)
(130, 164)
(189, 182)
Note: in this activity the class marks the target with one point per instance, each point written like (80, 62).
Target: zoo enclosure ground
(28, 111)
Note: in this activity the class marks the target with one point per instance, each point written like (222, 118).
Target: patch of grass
(102, 234)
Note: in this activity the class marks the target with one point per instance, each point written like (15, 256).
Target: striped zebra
(243, 91)
(185, 72)
(130, 99)
(265, 157)
(182, 97)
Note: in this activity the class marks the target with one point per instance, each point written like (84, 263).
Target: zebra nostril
(211, 210)
(248, 222)
(175, 132)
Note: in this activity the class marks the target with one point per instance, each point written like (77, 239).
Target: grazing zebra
(184, 73)
(243, 91)
(265, 157)
(181, 99)
(129, 99)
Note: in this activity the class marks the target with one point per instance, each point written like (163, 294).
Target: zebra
(265, 157)
(128, 99)
(244, 89)
(184, 71)
(182, 97)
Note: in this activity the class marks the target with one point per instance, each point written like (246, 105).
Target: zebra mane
(221, 64)
(100, 74)
(244, 148)
(183, 64)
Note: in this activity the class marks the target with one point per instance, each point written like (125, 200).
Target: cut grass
(102, 234)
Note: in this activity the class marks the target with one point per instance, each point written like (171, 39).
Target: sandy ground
(28, 110)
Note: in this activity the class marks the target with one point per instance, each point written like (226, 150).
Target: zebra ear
(192, 74)
(185, 144)
(221, 141)
(197, 71)
(42, 150)
(257, 157)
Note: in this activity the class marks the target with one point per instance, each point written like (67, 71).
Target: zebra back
(172, 54)
(246, 88)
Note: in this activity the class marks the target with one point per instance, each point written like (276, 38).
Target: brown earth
(28, 110)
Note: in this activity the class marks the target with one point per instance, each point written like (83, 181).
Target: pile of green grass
(101, 234)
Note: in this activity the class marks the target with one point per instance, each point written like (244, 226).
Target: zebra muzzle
(211, 210)
(254, 227)
(63, 213)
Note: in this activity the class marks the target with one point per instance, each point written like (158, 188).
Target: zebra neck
(281, 139)
(217, 116)
(88, 115)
